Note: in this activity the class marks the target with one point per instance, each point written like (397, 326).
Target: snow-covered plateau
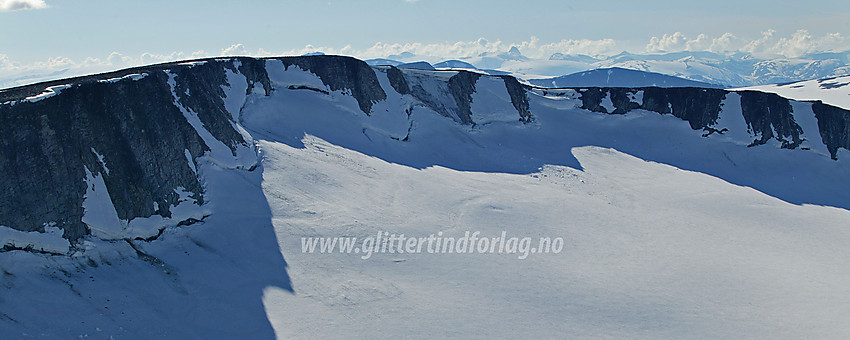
(172, 201)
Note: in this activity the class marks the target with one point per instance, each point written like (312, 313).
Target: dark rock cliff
(519, 97)
(134, 125)
(343, 73)
(768, 116)
(591, 99)
(199, 88)
(699, 107)
(834, 125)
(397, 80)
(134, 132)
(462, 86)
(254, 71)
(456, 94)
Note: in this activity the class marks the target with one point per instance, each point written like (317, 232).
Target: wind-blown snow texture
(687, 211)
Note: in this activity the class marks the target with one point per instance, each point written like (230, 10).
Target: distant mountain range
(726, 70)
(619, 77)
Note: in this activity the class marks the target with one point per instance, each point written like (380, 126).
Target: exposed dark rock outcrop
(302, 87)
(453, 98)
(134, 125)
(462, 86)
(429, 91)
(397, 80)
(770, 116)
(199, 88)
(592, 99)
(519, 97)
(699, 107)
(254, 71)
(767, 115)
(834, 125)
(343, 73)
(131, 133)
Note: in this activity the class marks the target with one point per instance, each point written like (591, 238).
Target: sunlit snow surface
(668, 234)
(651, 250)
(833, 91)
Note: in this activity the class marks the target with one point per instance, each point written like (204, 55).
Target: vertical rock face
(699, 107)
(142, 130)
(199, 89)
(621, 99)
(254, 71)
(48, 144)
(343, 73)
(428, 90)
(462, 86)
(397, 81)
(591, 99)
(770, 116)
(131, 131)
(453, 97)
(519, 97)
(834, 125)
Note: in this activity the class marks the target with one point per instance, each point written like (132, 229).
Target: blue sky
(71, 32)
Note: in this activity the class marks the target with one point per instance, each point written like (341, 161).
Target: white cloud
(724, 43)
(116, 58)
(799, 43)
(263, 53)
(769, 43)
(760, 45)
(467, 49)
(669, 42)
(5, 63)
(532, 47)
(678, 42)
(19, 5)
(580, 46)
(235, 50)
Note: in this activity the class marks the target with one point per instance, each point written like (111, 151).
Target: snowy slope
(669, 233)
(652, 250)
(834, 91)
